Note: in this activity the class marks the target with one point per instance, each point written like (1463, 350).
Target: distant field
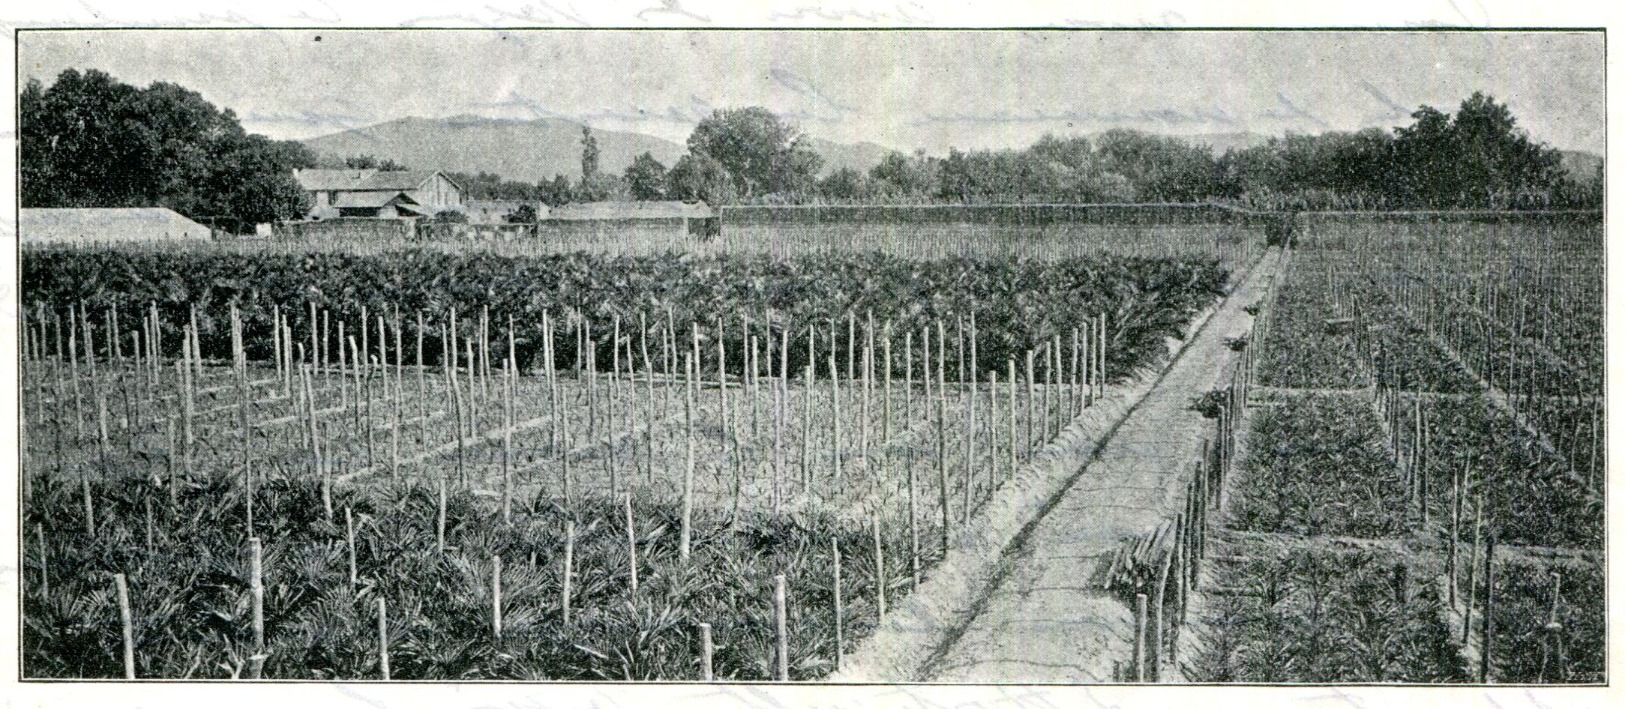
(1232, 244)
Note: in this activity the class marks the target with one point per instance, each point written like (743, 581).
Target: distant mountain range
(531, 150)
(536, 150)
(523, 150)
(858, 156)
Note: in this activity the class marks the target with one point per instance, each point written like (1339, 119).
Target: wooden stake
(485, 351)
(1014, 453)
(276, 338)
(609, 407)
(256, 587)
(1139, 637)
(1456, 484)
(806, 428)
(347, 398)
(886, 403)
(450, 362)
(867, 359)
(1486, 647)
(440, 517)
(942, 437)
(781, 404)
(1160, 626)
(90, 509)
(992, 424)
(383, 639)
(1472, 569)
(781, 664)
(649, 401)
(706, 650)
(423, 394)
(392, 393)
(840, 651)
(970, 426)
(44, 570)
(507, 440)
(569, 567)
(1074, 396)
(908, 457)
(1032, 401)
(349, 543)
(835, 420)
(73, 361)
(496, 597)
(880, 570)
(318, 464)
(126, 623)
(686, 534)
(631, 544)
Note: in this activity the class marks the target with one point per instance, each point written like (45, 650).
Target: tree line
(92, 141)
(89, 140)
(1477, 158)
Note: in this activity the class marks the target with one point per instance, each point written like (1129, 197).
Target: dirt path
(1045, 621)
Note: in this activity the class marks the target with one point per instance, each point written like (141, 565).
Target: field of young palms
(1430, 395)
(422, 465)
(473, 464)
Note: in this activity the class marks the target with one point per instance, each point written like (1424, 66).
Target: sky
(902, 89)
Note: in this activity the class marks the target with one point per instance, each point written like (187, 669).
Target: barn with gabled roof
(385, 194)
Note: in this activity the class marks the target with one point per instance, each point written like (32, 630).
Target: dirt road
(1044, 621)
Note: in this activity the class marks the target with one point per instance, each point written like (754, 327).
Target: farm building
(106, 225)
(381, 205)
(496, 211)
(379, 194)
(680, 217)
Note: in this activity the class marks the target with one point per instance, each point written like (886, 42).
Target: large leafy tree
(846, 185)
(557, 192)
(91, 141)
(1161, 168)
(487, 185)
(1495, 159)
(81, 143)
(646, 178)
(700, 177)
(760, 153)
(1476, 159)
(900, 177)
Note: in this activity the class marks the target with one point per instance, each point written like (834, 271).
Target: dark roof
(371, 199)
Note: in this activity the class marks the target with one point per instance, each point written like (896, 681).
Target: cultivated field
(1430, 424)
(733, 459)
(618, 504)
